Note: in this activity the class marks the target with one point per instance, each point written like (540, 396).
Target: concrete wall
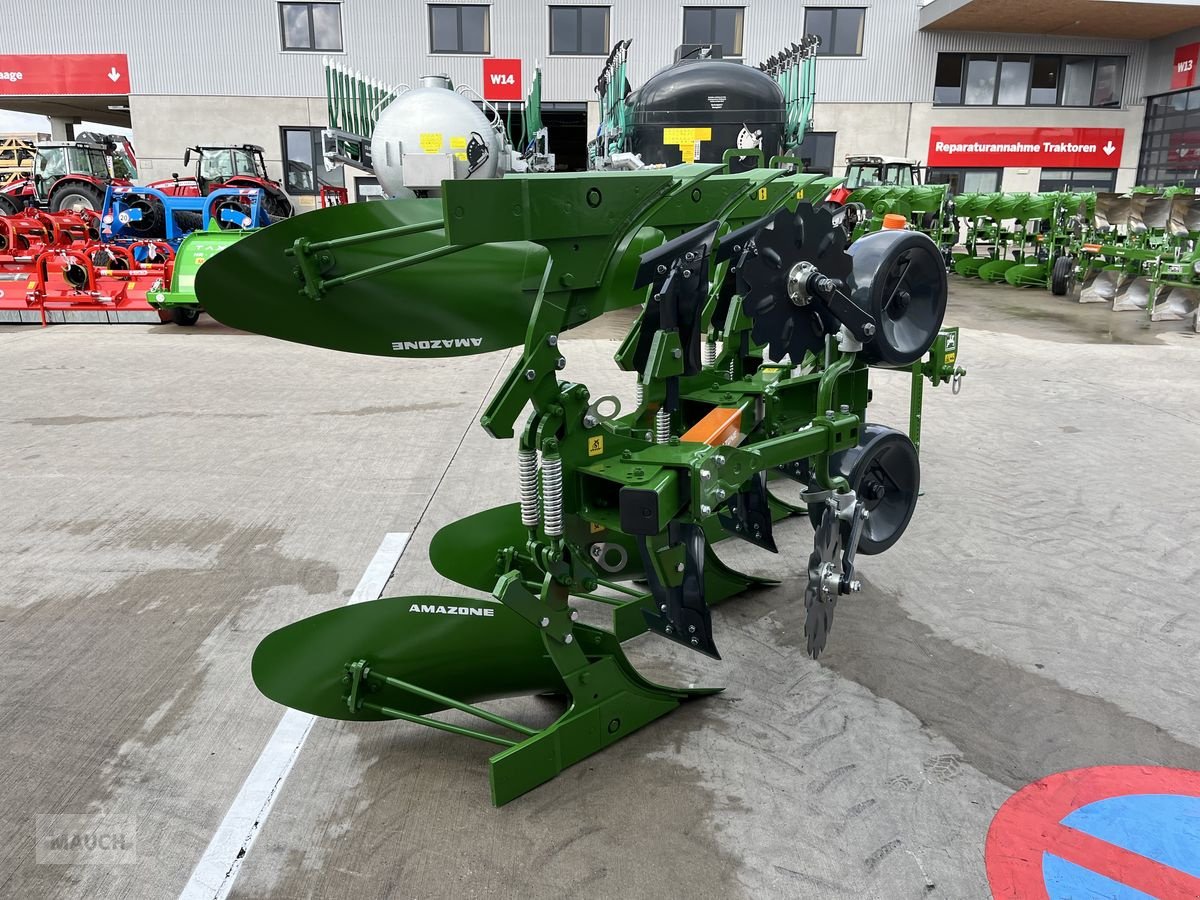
(165, 126)
(232, 47)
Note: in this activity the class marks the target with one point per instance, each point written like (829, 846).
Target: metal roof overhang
(85, 108)
(1122, 19)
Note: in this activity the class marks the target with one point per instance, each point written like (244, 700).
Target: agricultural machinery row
(130, 262)
(1137, 251)
(752, 356)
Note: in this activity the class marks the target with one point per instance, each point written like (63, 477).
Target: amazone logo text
(488, 611)
(445, 344)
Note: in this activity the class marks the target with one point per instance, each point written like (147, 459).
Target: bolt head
(705, 474)
(691, 629)
(719, 459)
(679, 567)
(561, 363)
(695, 643)
(845, 408)
(705, 510)
(662, 608)
(545, 623)
(569, 639)
(530, 374)
(662, 270)
(669, 630)
(574, 615)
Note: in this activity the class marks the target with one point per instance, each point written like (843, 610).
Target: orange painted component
(1092, 248)
(721, 426)
(894, 221)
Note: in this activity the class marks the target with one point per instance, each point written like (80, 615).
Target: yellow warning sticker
(762, 193)
(596, 445)
(458, 143)
(951, 357)
(688, 152)
(594, 528)
(799, 195)
(461, 156)
(431, 141)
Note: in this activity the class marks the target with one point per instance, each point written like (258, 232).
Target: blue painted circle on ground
(1161, 827)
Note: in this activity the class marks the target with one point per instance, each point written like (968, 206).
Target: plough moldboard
(752, 353)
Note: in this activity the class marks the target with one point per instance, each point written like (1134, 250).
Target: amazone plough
(753, 353)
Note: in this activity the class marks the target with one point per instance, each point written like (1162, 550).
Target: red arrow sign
(71, 74)
(988, 146)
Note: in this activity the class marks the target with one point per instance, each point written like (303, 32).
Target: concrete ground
(171, 496)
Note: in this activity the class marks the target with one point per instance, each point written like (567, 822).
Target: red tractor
(228, 167)
(67, 175)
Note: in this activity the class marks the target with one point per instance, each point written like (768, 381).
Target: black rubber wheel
(186, 220)
(899, 277)
(277, 205)
(1062, 276)
(76, 195)
(884, 470)
(153, 223)
(8, 206)
(185, 315)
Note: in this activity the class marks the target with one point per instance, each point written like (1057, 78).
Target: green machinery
(178, 296)
(923, 205)
(752, 352)
(1141, 253)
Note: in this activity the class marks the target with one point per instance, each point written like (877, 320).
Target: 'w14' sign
(502, 79)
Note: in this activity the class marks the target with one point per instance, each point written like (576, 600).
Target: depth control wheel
(884, 471)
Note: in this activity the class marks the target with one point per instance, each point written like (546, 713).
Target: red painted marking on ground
(1028, 825)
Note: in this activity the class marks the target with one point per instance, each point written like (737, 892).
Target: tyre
(8, 206)
(899, 277)
(185, 315)
(76, 195)
(277, 205)
(1062, 276)
(885, 472)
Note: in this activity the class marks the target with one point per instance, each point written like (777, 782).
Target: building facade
(893, 78)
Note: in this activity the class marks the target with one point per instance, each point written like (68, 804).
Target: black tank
(693, 111)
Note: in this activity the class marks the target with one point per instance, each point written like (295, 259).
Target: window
(459, 29)
(579, 30)
(966, 181)
(816, 151)
(303, 165)
(311, 26)
(1043, 84)
(1170, 153)
(1039, 80)
(1014, 79)
(947, 80)
(714, 25)
(981, 81)
(840, 29)
(1078, 180)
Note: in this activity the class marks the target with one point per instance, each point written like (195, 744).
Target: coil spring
(527, 470)
(552, 491)
(639, 394)
(662, 426)
(709, 354)
(732, 374)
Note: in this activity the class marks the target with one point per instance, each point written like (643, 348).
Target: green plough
(752, 352)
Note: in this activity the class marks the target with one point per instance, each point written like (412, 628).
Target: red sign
(1096, 833)
(1187, 60)
(64, 74)
(1183, 150)
(986, 147)
(502, 79)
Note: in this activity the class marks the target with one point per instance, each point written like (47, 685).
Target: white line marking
(214, 875)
